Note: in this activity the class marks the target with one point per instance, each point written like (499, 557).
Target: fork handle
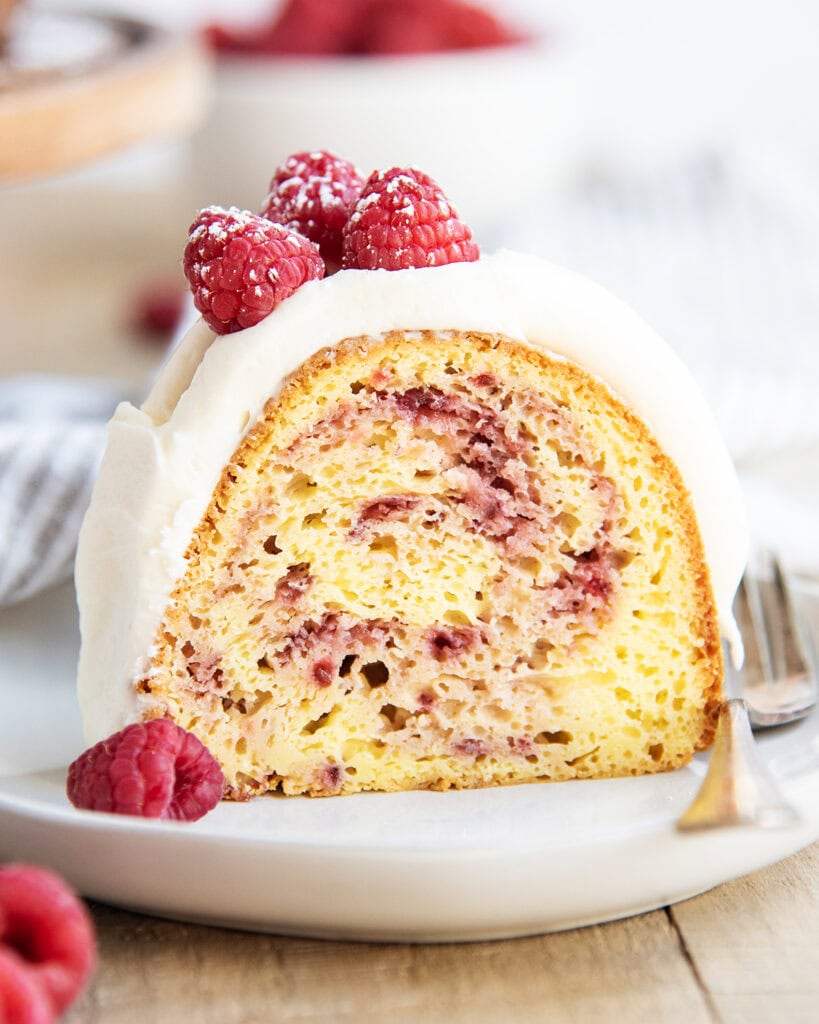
(737, 788)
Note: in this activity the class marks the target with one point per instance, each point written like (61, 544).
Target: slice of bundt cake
(408, 528)
(427, 557)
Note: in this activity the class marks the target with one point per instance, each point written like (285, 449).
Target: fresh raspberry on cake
(240, 266)
(154, 769)
(47, 950)
(314, 193)
(403, 219)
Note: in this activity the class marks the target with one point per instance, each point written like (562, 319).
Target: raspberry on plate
(313, 193)
(403, 219)
(47, 950)
(240, 266)
(153, 769)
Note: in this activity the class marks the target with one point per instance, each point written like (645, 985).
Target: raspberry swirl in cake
(402, 534)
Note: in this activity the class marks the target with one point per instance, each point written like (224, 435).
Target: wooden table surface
(745, 952)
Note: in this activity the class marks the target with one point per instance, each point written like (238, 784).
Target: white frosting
(164, 460)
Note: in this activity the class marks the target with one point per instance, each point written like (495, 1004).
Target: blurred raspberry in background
(47, 945)
(365, 27)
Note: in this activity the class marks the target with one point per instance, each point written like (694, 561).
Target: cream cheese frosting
(163, 461)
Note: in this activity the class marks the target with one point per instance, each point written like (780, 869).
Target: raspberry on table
(153, 769)
(313, 193)
(47, 949)
(403, 219)
(22, 1000)
(240, 266)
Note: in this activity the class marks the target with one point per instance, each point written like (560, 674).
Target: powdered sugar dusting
(313, 193)
(234, 261)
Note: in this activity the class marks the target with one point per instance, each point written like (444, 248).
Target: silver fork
(777, 687)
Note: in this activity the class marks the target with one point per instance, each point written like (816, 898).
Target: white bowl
(493, 127)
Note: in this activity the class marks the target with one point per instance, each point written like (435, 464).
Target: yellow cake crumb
(441, 560)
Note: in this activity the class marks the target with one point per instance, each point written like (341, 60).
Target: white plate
(406, 867)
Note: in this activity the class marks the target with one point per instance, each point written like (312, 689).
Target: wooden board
(145, 84)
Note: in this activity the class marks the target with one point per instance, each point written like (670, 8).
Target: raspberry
(154, 769)
(303, 27)
(157, 308)
(22, 1001)
(403, 28)
(240, 266)
(403, 219)
(337, 27)
(468, 28)
(428, 26)
(313, 193)
(46, 945)
(316, 27)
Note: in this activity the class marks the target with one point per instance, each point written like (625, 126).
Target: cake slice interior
(441, 559)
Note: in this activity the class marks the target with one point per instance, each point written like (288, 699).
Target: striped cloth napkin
(52, 432)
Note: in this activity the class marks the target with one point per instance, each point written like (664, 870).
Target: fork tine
(751, 621)
(777, 682)
(794, 661)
